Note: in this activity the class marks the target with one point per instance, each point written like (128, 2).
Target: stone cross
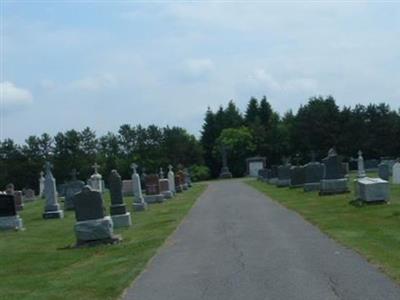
(96, 167)
(170, 167)
(134, 167)
(161, 173)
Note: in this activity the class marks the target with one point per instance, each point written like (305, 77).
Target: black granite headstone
(7, 205)
(117, 202)
(88, 205)
(333, 167)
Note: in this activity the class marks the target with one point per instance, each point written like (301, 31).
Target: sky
(72, 64)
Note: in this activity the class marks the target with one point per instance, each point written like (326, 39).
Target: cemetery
(199, 150)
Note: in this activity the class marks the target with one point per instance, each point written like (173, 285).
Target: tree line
(152, 147)
(317, 126)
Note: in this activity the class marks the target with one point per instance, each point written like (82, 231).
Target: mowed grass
(33, 266)
(373, 230)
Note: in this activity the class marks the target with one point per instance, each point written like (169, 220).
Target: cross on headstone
(74, 174)
(96, 167)
(134, 167)
(161, 173)
(170, 167)
(48, 166)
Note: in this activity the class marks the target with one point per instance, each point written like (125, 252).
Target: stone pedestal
(333, 186)
(53, 214)
(150, 199)
(139, 206)
(122, 220)
(167, 194)
(372, 189)
(92, 230)
(313, 186)
(11, 223)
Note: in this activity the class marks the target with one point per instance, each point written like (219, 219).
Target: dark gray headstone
(314, 171)
(333, 166)
(7, 205)
(284, 172)
(117, 202)
(274, 171)
(384, 171)
(88, 205)
(263, 174)
(297, 176)
(70, 189)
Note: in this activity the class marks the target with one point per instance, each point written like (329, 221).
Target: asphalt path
(236, 243)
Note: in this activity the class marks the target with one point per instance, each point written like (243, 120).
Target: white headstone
(52, 208)
(41, 185)
(396, 173)
(171, 179)
(96, 181)
(360, 165)
(138, 200)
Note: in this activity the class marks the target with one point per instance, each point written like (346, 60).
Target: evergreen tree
(252, 111)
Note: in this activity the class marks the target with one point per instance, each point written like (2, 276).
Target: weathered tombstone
(360, 166)
(164, 186)
(171, 179)
(182, 180)
(372, 189)
(383, 171)
(52, 208)
(120, 216)
(254, 164)
(138, 201)
(41, 184)
(396, 172)
(225, 173)
(333, 181)
(283, 174)
(127, 187)
(263, 174)
(178, 183)
(9, 218)
(273, 178)
(297, 176)
(96, 181)
(314, 172)
(153, 194)
(10, 190)
(92, 225)
(70, 189)
(28, 195)
(187, 178)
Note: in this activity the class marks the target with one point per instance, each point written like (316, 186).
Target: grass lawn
(372, 230)
(32, 266)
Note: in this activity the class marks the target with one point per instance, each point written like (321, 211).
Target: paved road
(237, 244)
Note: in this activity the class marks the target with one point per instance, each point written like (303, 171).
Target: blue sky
(68, 64)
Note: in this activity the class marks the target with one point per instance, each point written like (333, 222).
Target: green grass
(372, 230)
(33, 266)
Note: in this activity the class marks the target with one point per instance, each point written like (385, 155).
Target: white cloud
(199, 67)
(94, 83)
(13, 97)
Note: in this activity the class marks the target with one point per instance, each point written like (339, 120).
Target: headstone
(314, 172)
(171, 179)
(96, 181)
(182, 180)
(92, 225)
(273, 178)
(297, 176)
(19, 202)
(333, 181)
(70, 189)
(263, 174)
(225, 173)
(41, 184)
(127, 187)
(360, 166)
(254, 164)
(9, 218)
(396, 173)
(383, 171)
(187, 178)
(372, 189)
(345, 168)
(119, 215)
(52, 208)
(283, 175)
(390, 163)
(28, 195)
(138, 201)
(153, 194)
(164, 188)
